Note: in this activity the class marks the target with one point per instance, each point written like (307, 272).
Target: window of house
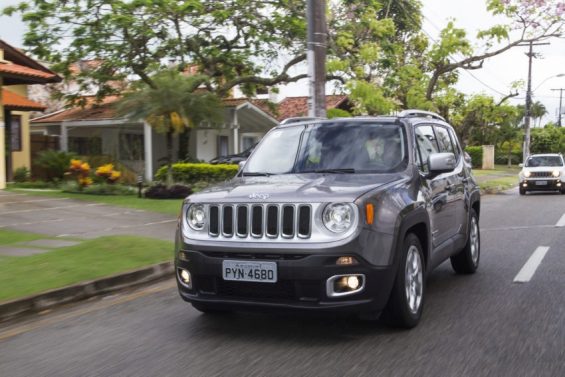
(85, 146)
(15, 133)
(132, 147)
(223, 145)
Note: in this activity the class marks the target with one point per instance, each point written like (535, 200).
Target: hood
(295, 188)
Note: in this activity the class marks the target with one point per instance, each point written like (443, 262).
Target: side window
(427, 144)
(455, 142)
(444, 140)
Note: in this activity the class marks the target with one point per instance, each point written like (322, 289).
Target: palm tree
(538, 111)
(170, 105)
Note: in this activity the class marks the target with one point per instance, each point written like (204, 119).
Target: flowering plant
(81, 170)
(108, 173)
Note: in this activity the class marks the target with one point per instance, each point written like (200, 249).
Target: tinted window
(277, 153)
(536, 161)
(456, 146)
(443, 139)
(427, 144)
(364, 147)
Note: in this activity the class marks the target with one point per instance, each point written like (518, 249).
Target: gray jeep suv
(342, 215)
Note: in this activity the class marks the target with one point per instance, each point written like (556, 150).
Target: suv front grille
(260, 220)
(540, 174)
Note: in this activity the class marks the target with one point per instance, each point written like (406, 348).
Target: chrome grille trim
(539, 174)
(262, 221)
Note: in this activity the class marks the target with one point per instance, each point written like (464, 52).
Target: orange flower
(115, 176)
(75, 164)
(85, 181)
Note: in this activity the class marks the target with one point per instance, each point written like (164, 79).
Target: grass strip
(167, 206)
(92, 259)
(8, 237)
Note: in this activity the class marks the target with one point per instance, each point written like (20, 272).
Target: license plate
(262, 272)
(541, 183)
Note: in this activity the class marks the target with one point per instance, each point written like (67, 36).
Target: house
(97, 130)
(17, 71)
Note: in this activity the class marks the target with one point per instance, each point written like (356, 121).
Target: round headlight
(338, 217)
(527, 173)
(555, 173)
(196, 216)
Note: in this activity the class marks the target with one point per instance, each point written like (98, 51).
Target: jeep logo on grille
(260, 196)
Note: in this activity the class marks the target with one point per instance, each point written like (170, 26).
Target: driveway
(66, 217)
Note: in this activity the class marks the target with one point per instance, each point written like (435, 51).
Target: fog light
(185, 278)
(558, 184)
(353, 282)
(342, 285)
(346, 261)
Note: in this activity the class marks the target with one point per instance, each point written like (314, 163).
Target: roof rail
(420, 114)
(300, 119)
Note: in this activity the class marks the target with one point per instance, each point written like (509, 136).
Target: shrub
(160, 191)
(191, 173)
(21, 174)
(35, 185)
(81, 170)
(100, 189)
(54, 162)
(108, 174)
(476, 154)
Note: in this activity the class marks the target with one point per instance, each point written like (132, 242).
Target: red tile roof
(13, 101)
(106, 110)
(291, 107)
(20, 70)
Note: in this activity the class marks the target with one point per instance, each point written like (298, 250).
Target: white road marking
(561, 222)
(529, 269)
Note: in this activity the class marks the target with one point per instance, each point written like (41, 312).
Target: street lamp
(547, 78)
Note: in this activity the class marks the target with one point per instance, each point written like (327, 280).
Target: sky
(493, 79)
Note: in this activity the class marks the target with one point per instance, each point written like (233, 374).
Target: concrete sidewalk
(71, 218)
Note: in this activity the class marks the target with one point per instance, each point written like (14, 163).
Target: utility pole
(531, 55)
(560, 100)
(317, 33)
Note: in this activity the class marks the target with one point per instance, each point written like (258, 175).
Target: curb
(82, 291)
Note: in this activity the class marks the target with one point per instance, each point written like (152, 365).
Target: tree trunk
(509, 154)
(169, 157)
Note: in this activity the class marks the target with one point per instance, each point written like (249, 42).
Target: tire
(522, 191)
(406, 303)
(467, 260)
(562, 188)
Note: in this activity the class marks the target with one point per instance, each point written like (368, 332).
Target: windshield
(331, 148)
(536, 161)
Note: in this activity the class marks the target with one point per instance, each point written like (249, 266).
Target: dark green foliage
(337, 113)
(55, 163)
(160, 191)
(548, 140)
(101, 189)
(476, 154)
(191, 173)
(21, 174)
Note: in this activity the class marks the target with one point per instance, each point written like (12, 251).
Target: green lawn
(168, 206)
(104, 256)
(8, 237)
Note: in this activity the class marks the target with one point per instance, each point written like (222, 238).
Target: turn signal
(346, 261)
(369, 213)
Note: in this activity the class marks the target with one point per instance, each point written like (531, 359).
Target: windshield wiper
(256, 174)
(332, 171)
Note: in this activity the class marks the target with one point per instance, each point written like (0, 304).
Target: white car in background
(543, 172)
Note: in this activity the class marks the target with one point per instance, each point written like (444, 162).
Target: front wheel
(522, 190)
(467, 260)
(405, 305)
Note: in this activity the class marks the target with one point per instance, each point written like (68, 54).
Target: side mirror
(521, 165)
(241, 164)
(441, 163)
(468, 159)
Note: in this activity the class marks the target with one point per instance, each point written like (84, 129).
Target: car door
(454, 211)
(434, 188)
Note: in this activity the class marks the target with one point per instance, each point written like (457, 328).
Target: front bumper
(301, 282)
(542, 184)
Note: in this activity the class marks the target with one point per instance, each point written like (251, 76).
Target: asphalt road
(480, 325)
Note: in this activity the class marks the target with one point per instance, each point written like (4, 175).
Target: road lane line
(561, 222)
(529, 269)
(90, 307)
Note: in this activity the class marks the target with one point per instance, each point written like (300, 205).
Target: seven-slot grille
(260, 220)
(540, 174)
